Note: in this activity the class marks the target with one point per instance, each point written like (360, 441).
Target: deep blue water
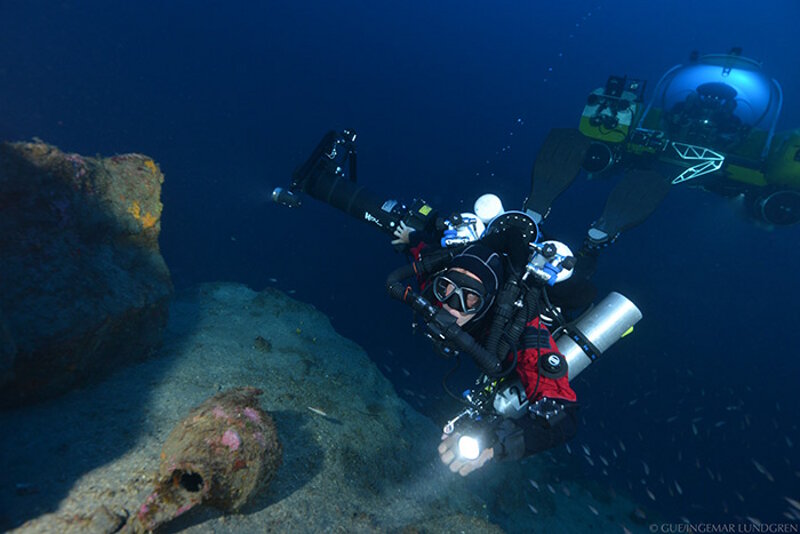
(229, 97)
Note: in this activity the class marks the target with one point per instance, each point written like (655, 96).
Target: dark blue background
(229, 97)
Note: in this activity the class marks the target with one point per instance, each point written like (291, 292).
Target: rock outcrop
(83, 286)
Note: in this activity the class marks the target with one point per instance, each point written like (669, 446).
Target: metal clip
(450, 426)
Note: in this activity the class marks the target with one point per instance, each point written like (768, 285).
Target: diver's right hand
(448, 454)
(402, 233)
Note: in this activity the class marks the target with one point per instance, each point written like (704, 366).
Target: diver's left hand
(402, 233)
(448, 453)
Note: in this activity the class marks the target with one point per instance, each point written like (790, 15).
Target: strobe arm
(323, 177)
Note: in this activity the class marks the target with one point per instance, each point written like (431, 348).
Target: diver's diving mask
(459, 291)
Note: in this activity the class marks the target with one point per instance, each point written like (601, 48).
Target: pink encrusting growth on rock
(231, 439)
(219, 412)
(183, 509)
(252, 415)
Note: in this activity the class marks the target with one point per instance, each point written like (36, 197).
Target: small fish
(273, 280)
(694, 429)
(671, 419)
(650, 494)
(622, 446)
(593, 509)
(719, 424)
(646, 468)
(405, 371)
(793, 502)
(605, 462)
(534, 484)
(587, 451)
(551, 489)
(292, 291)
(317, 411)
(588, 459)
(533, 508)
(569, 449)
(678, 487)
(763, 471)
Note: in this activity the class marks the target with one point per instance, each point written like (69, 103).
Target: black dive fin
(634, 198)
(557, 164)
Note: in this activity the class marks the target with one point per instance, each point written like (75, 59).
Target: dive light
(285, 197)
(469, 447)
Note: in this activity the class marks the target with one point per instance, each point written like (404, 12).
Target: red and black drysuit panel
(532, 432)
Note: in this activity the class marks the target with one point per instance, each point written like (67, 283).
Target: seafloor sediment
(368, 465)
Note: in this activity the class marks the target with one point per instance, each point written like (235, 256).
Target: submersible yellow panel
(617, 135)
(624, 119)
(783, 163)
(745, 175)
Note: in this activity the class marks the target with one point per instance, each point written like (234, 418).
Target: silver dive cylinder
(596, 330)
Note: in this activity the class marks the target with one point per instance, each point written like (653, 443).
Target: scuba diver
(709, 124)
(485, 280)
(467, 289)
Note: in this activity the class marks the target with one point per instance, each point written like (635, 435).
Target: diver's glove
(510, 443)
(549, 423)
(448, 453)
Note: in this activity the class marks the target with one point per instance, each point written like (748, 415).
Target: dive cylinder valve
(551, 262)
(461, 229)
